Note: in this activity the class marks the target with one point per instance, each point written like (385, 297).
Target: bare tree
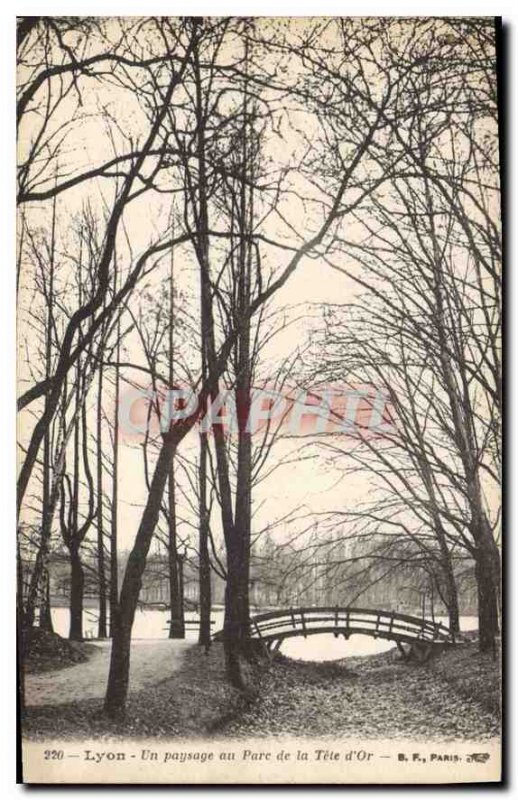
(428, 245)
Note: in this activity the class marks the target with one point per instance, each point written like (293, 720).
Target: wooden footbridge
(415, 638)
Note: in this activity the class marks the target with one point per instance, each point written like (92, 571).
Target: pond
(153, 624)
(325, 647)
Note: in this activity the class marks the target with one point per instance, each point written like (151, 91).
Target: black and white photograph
(259, 399)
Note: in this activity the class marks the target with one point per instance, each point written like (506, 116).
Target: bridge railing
(383, 624)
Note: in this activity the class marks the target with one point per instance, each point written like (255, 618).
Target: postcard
(259, 265)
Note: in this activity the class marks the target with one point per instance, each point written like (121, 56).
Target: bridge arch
(419, 636)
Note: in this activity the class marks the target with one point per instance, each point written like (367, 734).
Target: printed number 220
(54, 755)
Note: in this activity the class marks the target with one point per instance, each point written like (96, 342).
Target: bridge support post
(404, 654)
(421, 651)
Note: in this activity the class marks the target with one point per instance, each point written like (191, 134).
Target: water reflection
(325, 647)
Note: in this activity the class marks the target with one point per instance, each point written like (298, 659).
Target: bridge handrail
(353, 609)
(359, 625)
(399, 623)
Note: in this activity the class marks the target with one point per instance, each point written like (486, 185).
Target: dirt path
(152, 661)
(185, 694)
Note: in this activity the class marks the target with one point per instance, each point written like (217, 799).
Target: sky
(304, 484)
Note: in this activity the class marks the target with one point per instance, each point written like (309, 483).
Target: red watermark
(360, 411)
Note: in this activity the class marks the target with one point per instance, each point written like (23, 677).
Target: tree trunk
(236, 610)
(76, 568)
(180, 562)
(114, 569)
(242, 524)
(176, 623)
(232, 638)
(122, 619)
(204, 637)
(35, 579)
(45, 607)
(101, 569)
(46, 524)
(452, 598)
(20, 628)
(45, 615)
(42, 554)
(118, 679)
(454, 617)
(77, 582)
(243, 213)
(487, 593)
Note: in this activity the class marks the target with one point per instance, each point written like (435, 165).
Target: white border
(7, 295)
